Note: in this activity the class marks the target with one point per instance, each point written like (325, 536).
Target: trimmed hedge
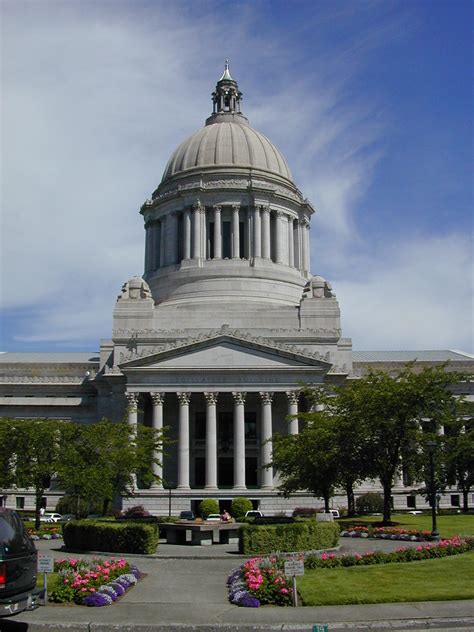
(300, 536)
(112, 537)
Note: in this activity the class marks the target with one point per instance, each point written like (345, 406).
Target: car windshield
(13, 537)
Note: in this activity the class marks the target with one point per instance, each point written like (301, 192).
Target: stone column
(149, 234)
(304, 253)
(157, 423)
(196, 231)
(239, 440)
(307, 244)
(156, 246)
(187, 234)
(266, 232)
(172, 239)
(163, 242)
(211, 440)
(217, 232)
(291, 249)
(203, 232)
(293, 410)
(281, 231)
(257, 233)
(132, 399)
(235, 232)
(266, 455)
(183, 440)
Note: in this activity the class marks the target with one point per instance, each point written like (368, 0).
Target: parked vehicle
(254, 513)
(18, 562)
(187, 515)
(51, 517)
(213, 518)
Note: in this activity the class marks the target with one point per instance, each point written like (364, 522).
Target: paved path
(185, 589)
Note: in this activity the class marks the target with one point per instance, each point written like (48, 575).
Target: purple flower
(97, 599)
(248, 601)
(119, 589)
(108, 590)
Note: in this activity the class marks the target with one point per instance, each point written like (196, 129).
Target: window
(411, 502)
(455, 501)
(200, 427)
(250, 427)
(20, 502)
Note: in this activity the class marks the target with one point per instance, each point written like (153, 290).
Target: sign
(45, 563)
(294, 567)
(320, 627)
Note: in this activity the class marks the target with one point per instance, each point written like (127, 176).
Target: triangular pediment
(225, 352)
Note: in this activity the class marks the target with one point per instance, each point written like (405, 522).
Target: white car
(213, 518)
(50, 517)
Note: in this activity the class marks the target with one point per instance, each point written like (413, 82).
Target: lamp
(431, 447)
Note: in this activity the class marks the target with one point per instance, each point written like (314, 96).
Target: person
(225, 517)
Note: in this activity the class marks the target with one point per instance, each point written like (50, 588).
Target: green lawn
(448, 526)
(428, 580)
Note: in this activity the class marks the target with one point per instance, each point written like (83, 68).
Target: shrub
(369, 503)
(305, 512)
(123, 537)
(136, 512)
(78, 506)
(208, 506)
(300, 536)
(239, 507)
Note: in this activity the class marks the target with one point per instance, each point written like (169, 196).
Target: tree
(392, 410)
(37, 453)
(7, 453)
(308, 460)
(459, 449)
(103, 460)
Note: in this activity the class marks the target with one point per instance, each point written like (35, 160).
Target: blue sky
(370, 102)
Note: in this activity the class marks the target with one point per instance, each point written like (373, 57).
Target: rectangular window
(20, 502)
(455, 500)
(411, 502)
(250, 427)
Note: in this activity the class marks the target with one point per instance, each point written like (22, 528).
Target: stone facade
(216, 337)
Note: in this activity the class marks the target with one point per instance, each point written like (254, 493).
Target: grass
(442, 579)
(448, 526)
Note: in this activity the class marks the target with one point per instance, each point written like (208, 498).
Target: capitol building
(216, 337)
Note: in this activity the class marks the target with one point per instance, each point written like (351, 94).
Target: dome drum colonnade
(211, 446)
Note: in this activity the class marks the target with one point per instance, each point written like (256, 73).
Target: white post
(132, 399)
(196, 231)
(235, 232)
(187, 234)
(211, 440)
(267, 473)
(291, 250)
(257, 233)
(239, 440)
(266, 232)
(157, 423)
(293, 410)
(217, 232)
(183, 440)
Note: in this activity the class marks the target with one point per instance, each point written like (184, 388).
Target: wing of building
(216, 337)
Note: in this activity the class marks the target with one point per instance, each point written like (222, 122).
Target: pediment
(225, 353)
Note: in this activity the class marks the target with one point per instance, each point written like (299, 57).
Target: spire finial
(226, 75)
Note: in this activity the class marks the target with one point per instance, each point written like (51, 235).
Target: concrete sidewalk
(185, 589)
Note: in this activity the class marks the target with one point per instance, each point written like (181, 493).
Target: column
(217, 232)
(187, 234)
(298, 246)
(292, 410)
(162, 242)
(281, 231)
(197, 231)
(157, 424)
(266, 456)
(183, 440)
(291, 250)
(156, 246)
(266, 232)
(257, 233)
(132, 399)
(149, 228)
(235, 232)
(211, 440)
(304, 254)
(203, 232)
(307, 244)
(239, 440)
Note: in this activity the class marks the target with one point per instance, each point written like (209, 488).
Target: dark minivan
(18, 561)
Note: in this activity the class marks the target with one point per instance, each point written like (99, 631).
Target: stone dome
(227, 143)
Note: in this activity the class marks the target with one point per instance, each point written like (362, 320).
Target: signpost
(294, 568)
(45, 566)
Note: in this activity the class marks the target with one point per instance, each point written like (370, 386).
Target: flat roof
(433, 355)
(65, 357)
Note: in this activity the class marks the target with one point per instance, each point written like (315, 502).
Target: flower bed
(453, 546)
(386, 533)
(261, 580)
(92, 583)
(45, 533)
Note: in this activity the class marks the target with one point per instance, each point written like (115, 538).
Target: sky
(369, 101)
